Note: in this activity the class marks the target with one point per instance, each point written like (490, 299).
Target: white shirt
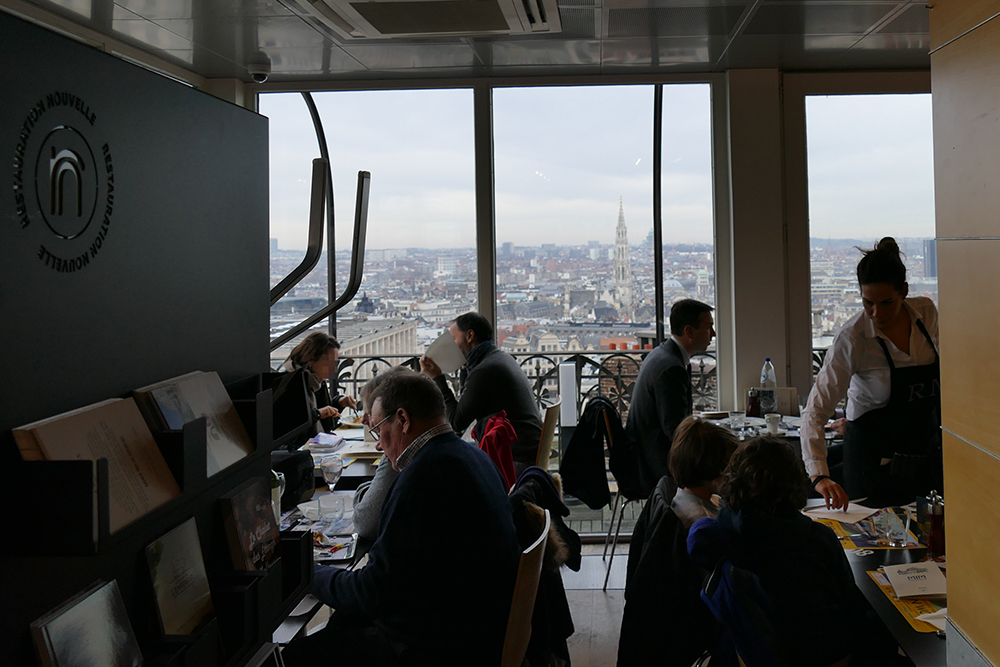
(855, 364)
(685, 357)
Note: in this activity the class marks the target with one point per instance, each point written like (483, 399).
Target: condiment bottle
(935, 538)
(753, 403)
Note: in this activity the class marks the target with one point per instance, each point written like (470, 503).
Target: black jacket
(551, 620)
(582, 466)
(664, 622)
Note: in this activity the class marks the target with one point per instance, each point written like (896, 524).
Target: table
(924, 649)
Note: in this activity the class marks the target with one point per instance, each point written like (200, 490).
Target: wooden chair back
(548, 434)
(515, 644)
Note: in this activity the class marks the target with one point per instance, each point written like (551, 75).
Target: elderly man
(492, 381)
(661, 398)
(438, 585)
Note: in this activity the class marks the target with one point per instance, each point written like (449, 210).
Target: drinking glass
(737, 421)
(331, 511)
(332, 467)
(893, 525)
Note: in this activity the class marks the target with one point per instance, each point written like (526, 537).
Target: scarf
(477, 354)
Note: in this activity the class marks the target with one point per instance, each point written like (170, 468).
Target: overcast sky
(565, 155)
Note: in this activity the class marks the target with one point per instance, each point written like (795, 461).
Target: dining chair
(617, 506)
(548, 433)
(515, 645)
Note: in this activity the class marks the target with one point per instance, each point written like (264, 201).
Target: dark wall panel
(133, 228)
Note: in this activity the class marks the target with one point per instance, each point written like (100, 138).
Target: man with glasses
(438, 585)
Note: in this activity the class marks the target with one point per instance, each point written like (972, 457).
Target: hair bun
(887, 243)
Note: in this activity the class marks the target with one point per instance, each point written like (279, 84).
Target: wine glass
(332, 467)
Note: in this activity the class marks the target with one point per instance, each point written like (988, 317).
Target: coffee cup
(771, 420)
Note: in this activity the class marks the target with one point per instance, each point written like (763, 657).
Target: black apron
(907, 431)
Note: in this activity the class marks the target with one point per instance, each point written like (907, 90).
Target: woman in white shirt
(885, 361)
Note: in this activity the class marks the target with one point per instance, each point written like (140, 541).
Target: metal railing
(611, 374)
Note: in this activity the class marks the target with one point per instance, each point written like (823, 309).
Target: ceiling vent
(381, 19)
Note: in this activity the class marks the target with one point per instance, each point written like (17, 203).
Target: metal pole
(657, 218)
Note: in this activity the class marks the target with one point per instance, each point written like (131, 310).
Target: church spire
(623, 266)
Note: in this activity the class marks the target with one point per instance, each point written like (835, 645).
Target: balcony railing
(611, 374)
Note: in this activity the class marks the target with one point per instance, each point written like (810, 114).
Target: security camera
(259, 67)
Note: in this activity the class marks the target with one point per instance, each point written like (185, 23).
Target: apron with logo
(906, 433)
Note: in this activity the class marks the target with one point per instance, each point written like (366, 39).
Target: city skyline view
(870, 164)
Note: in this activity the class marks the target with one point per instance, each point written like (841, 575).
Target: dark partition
(133, 228)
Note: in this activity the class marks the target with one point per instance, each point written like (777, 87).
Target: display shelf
(54, 553)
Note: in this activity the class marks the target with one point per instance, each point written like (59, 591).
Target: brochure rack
(61, 545)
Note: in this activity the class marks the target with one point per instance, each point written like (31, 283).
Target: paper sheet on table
(854, 513)
(938, 619)
(446, 353)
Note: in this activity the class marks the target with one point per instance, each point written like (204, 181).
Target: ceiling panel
(216, 38)
(561, 53)
(386, 55)
(672, 21)
(697, 53)
(915, 20)
(817, 19)
(302, 63)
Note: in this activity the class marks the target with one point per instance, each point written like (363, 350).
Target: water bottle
(767, 377)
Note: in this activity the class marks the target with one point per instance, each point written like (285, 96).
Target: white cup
(771, 419)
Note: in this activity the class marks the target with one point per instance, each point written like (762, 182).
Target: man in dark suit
(661, 398)
(440, 577)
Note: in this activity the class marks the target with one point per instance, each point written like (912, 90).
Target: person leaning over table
(439, 581)
(885, 360)
(370, 496)
(491, 381)
(316, 357)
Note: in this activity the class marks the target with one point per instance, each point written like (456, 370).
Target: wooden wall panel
(968, 281)
(972, 531)
(951, 18)
(965, 83)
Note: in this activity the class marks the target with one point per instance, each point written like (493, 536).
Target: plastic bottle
(767, 377)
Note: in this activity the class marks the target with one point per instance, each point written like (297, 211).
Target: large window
(420, 264)
(574, 210)
(870, 175)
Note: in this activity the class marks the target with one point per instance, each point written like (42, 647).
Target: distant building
(623, 266)
(274, 245)
(447, 265)
(930, 258)
(507, 249)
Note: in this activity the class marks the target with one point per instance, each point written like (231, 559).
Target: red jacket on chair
(497, 441)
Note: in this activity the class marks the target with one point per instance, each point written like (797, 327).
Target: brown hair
(766, 473)
(369, 392)
(883, 264)
(314, 346)
(700, 452)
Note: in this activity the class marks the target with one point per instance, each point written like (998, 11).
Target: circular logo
(66, 182)
(63, 181)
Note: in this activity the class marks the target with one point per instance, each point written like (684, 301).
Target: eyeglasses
(375, 429)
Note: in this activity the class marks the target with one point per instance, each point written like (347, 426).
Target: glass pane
(688, 217)
(870, 175)
(420, 260)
